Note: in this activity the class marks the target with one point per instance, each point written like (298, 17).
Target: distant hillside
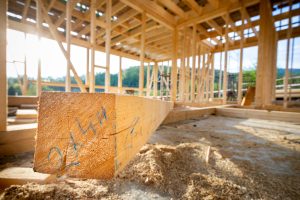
(131, 79)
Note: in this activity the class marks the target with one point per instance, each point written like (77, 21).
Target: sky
(54, 63)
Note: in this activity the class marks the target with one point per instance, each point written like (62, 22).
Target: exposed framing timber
(3, 78)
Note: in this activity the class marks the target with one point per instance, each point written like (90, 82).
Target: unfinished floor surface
(248, 159)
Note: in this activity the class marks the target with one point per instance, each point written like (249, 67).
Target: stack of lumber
(22, 175)
(26, 114)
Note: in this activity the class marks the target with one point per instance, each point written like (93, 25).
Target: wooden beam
(214, 3)
(226, 7)
(173, 7)
(68, 39)
(182, 67)
(107, 43)
(194, 43)
(225, 81)
(25, 11)
(174, 66)
(259, 114)
(194, 6)
(39, 27)
(153, 10)
(93, 43)
(155, 74)
(212, 80)
(240, 81)
(101, 133)
(142, 55)
(266, 67)
(3, 78)
(287, 59)
(148, 86)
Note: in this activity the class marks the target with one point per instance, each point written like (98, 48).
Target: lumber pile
(21, 175)
(93, 135)
(26, 114)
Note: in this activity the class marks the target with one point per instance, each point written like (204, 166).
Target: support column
(148, 80)
(194, 43)
(220, 77)
(266, 66)
(107, 43)
(155, 74)
(199, 72)
(174, 66)
(3, 78)
(38, 26)
(240, 85)
(182, 68)
(287, 73)
(120, 75)
(92, 41)
(212, 83)
(25, 78)
(68, 40)
(87, 75)
(225, 82)
(142, 55)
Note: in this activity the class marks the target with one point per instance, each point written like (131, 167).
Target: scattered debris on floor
(248, 159)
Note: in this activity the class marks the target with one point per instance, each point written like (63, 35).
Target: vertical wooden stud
(3, 78)
(68, 40)
(107, 43)
(142, 55)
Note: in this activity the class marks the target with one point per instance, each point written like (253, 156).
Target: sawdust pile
(181, 172)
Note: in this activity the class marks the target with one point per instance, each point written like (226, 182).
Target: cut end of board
(93, 135)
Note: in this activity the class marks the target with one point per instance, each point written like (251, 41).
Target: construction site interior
(150, 99)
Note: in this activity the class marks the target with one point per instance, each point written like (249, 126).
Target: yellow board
(93, 135)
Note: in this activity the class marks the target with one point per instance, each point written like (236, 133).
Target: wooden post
(68, 39)
(38, 27)
(107, 43)
(120, 75)
(174, 66)
(220, 77)
(25, 78)
(266, 65)
(3, 78)
(142, 55)
(240, 84)
(194, 43)
(187, 71)
(225, 62)
(155, 74)
(182, 68)
(199, 72)
(148, 80)
(286, 75)
(92, 41)
(212, 83)
(87, 75)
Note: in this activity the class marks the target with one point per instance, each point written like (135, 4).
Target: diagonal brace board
(93, 135)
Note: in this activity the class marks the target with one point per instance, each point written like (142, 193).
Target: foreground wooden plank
(22, 175)
(26, 114)
(93, 135)
(259, 114)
